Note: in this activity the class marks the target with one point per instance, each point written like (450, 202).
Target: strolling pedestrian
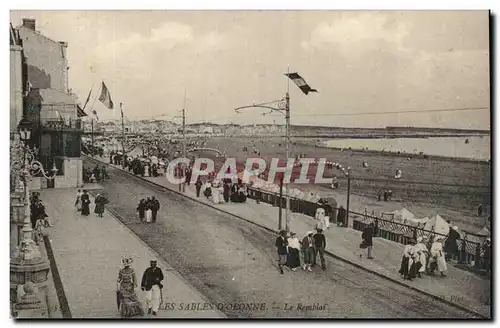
(480, 210)
(198, 185)
(308, 250)
(319, 248)
(85, 203)
(155, 207)
(341, 214)
(152, 285)
(438, 258)
(293, 258)
(141, 210)
(451, 244)
(148, 210)
(281, 245)
(422, 255)
(367, 237)
(407, 269)
(100, 201)
(226, 192)
(128, 302)
(486, 248)
(78, 201)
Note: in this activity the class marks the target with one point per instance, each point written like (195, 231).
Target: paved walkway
(460, 287)
(88, 253)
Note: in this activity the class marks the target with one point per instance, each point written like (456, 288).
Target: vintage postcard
(250, 164)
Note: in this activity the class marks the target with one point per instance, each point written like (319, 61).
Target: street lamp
(280, 106)
(347, 174)
(30, 167)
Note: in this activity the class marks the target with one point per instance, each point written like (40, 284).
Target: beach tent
(402, 215)
(438, 225)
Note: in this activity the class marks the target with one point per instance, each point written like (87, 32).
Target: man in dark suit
(319, 247)
(367, 237)
(281, 244)
(155, 207)
(151, 284)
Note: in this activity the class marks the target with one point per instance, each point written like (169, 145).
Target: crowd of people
(223, 191)
(128, 302)
(148, 209)
(294, 253)
(82, 203)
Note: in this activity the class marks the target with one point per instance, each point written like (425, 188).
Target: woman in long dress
(422, 254)
(85, 203)
(149, 213)
(407, 269)
(437, 257)
(293, 259)
(129, 304)
(100, 201)
(78, 201)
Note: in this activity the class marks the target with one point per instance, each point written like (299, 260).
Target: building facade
(50, 106)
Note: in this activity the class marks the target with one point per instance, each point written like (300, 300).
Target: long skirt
(130, 305)
(293, 260)
(148, 216)
(441, 264)
(78, 204)
(423, 262)
(85, 209)
(404, 270)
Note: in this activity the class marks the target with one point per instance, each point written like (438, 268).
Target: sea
(475, 147)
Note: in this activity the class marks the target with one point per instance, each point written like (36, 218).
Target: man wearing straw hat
(151, 284)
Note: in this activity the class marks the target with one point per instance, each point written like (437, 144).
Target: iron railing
(470, 252)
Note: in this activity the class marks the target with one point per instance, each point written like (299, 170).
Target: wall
(47, 65)
(16, 87)
(72, 177)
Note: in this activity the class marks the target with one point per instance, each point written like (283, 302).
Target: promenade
(88, 252)
(460, 287)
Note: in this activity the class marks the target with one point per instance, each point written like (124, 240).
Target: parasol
(118, 299)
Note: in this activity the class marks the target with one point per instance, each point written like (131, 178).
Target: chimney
(29, 23)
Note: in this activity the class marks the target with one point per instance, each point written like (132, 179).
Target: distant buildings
(41, 84)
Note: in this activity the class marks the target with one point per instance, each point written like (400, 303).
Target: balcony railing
(58, 124)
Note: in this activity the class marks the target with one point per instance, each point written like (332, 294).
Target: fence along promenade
(470, 252)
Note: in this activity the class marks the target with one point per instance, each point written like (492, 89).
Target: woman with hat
(128, 302)
(422, 254)
(438, 257)
(407, 269)
(293, 259)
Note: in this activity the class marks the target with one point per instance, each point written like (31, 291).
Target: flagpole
(123, 135)
(287, 136)
(92, 118)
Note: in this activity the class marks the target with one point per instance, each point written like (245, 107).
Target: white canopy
(438, 225)
(403, 215)
(414, 222)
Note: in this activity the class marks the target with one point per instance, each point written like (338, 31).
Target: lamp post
(27, 264)
(347, 174)
(280, 106)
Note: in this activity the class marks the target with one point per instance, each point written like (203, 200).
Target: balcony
(68, 125)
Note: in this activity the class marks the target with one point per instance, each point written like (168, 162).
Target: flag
(80, 112)
(88, 98)
(300, 82)
(105, 97)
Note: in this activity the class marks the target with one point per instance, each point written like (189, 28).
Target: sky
(359, 61)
